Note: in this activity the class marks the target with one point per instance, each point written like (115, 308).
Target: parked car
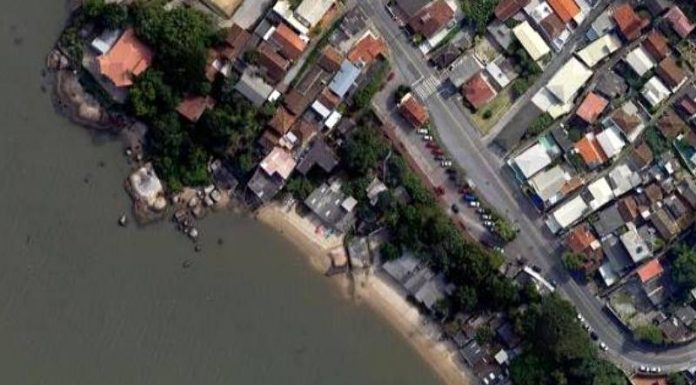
(488, 223)
(439, 190)
(423, 131)
(594, 336)
(486, 217)
(538, 270)
(474, 204)
(432, 145)
(446, 163)
(437, 151)
(603, 346)
(428, 138)
(455, 208)
(469, 197)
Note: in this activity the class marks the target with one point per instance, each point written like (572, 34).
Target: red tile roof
(679, 22)
(274, 64)
(591, 107)
(478, 91)
(580, 240)
(282, 121)
(235, 42)
(656, 45)
(591, 152)
(650, 270)
(508, 8)
(330, 59)
(553, 25)
(413, 111)
(192, 107)
(671, 125)
(289, 43)
(127, 58)
(628, 21)
(366, 50)
(628, 208)
(670, 72)
(431, 19)
(565, 9)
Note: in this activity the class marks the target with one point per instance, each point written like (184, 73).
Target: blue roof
(344, 79)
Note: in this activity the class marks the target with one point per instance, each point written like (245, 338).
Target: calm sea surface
(83, 301)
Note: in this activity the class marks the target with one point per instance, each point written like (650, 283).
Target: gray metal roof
(344, 79)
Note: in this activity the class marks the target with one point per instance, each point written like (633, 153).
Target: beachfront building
(332, 207)
(272, 174)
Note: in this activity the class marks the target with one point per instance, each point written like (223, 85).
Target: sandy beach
(370, 289)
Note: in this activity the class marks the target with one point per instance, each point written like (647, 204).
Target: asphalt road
(495, 185)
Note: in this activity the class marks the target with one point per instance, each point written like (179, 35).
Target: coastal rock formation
(148, 194)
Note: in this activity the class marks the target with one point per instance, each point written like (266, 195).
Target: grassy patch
(489, 115)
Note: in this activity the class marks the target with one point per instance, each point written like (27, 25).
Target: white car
(474, 204)
(603, 346)
(487, 223)
(446, 163)
(428, 138)
(423, 131)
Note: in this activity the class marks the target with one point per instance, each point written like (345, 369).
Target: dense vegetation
(557, 350)
(478, 13)
(684, 268)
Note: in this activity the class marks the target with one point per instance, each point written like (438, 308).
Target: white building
(655, 92)
(531, 41)
(567, 214)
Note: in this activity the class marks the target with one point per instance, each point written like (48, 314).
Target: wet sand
(374, 290)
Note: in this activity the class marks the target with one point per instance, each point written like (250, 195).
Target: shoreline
(373, 290)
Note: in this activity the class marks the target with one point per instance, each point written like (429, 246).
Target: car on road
(455, 208)
(432, 145)
(446, 163)
(643, 369)
(482, 210)
(486, 217)
(391, 76)
(488, 223)
(538, 270)
(428, 138)
(423, 131)
(603, 346)
(474, 204)
(593, 335)
(469, 197)
(439, 190)
(438, 152)
(499, 250)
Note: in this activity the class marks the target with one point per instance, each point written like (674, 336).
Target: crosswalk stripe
(426, 87)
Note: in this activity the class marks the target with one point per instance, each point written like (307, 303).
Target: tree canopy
(684, 267)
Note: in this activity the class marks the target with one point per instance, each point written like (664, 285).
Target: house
(106, 40)
(611, 85)
(687, 190)
(289, 44)
(563, 87)
(591, 108)
(641, 157)
(319, 154)
(193, 107)
(406, 9)
(671, 125)
(236, 40)
(581, 241)
(224, 8)
(127, 58)
(679, 22)
(305, 130)
(628, 119)
(628, 208)
(656, 7)
(501, 71)
(665, 224)
(599, 49)
(254, 88)
(598, 193)
(359, 252)
(611, 142)
(432, 291)
(655, 92)
(430, 20)
(330, 60)
(273, 172)
(555, 30)
(622, 179)
(334, 208)
(310, 12)
(275, 65)
(531, 41)
(500, 33)
(550, 186)
(602, 25)
(344, 80)
(617, 260)
(413, 111)
(671, 74)
(628, 21)
(686, 104)
(656, 45)
(567, 10)
(472, 353)
(508, 8)
(590, 151)
(532, 160)
(374, 189)
(639, 60)
(282, 121)
(464, 69)
(650, 271)
(506, 334)
(402, 268)
(635, 245)
(478, 91)
(567, 214)
(367, 50)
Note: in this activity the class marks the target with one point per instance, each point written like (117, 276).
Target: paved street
(470, 151)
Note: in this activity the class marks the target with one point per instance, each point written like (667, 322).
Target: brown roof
(654, 193)
(628, 208)
(508, 8)
(665, 224)
(282, 121)
(553, 25)
(431, 19)
(656, 45)
(671, 125)
(210, 70)
(305, 130)
(269, 139)
(670, 72)
(192, 107)
(642, 155)
(235, 41)
(628, 21)
(330, 59)
(413, 111)
(478, 91)
(127, 58)
(626, 122)
(591, 107)
(329, 99)
(590, 151)
(289, 43)
(274, 64)
(580, 240)
(679, 22)
(565, 9)
(687, 105)
(366, 50)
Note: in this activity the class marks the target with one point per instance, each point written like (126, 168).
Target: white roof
(501, 357)
(635, 244)
(565, 84)
(321, 109)
(310, 12)
(601, 192)
(639, 60)
(546, 101)
(570, 212)
(608, 274)
(531, 41)
(611, 142)
(532, 160)
(498, 75)
(599, 49)
(333, 119)
(106, 40)
(283, 8)
(654, 91)
(548, 183)
(623, 179)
